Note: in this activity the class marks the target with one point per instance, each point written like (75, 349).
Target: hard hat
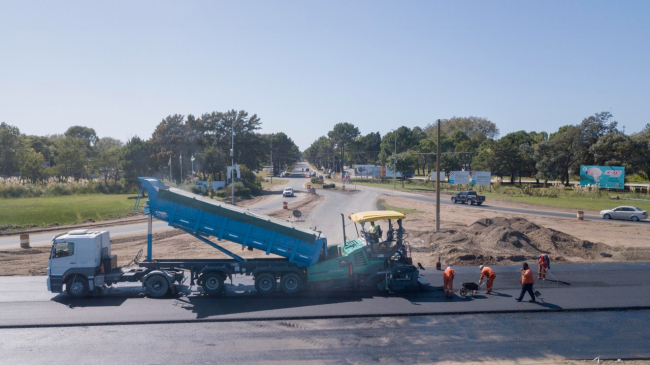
(480, 267)
(540, 255)
(448, 267)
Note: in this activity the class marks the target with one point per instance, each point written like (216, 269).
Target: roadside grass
(567, 198)
(46, 211)
(267, 182)
(387, 206)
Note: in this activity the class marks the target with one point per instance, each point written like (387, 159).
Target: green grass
(387, 206)
(567, 199)
(266, 183)
(44, 211)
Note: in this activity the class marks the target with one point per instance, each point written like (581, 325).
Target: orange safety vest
(449, 273)
(527, 277)
(543, 260)
(487, 272)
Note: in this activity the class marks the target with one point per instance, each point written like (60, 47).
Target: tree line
(472, 143)
(80, 153)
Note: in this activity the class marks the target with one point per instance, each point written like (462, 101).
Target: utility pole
(170, 169)
(180, 160)
(438, 180)
(395, 160)
(192, 159)
(272, 171)
(232, 156)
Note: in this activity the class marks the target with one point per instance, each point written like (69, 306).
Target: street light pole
(438, 180)
(395, 160)
(232, 168)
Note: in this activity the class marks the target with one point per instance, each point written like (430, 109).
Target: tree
(547, 162)
(476, 128)
(134, 160)
(405, 163)
(32, 165)
(71, 158)
(341, 135)
(9, 146)
(169, 140)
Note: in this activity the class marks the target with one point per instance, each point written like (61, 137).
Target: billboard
(459, 177)
(440, 173)
(365, 170)
(481, 177)
(612, 177)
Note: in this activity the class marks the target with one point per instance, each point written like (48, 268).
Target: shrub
(245, 192)
(316, 180)
(196, 190)
(220, 194)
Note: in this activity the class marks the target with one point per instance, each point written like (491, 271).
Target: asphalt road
(536, 337)
(596, 310)
(24, 301)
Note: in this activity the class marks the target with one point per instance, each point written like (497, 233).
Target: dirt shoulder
(474, 236)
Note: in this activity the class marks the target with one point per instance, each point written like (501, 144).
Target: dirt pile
(511, 240)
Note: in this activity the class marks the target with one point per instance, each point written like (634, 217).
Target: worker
(543, 265)
(527, 282)
(490, 275)
(373, 232)
(448, 281)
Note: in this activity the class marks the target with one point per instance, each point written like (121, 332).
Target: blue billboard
(612, 177)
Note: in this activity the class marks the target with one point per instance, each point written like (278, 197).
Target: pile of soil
(503, 241)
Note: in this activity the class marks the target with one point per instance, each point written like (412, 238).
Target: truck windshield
(62, 249)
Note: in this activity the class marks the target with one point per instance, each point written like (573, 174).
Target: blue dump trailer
(300, 256)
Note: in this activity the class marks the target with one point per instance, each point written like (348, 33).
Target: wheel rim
(266, 284)
(291, 283)
(635, 218)
(212, 283)
(76, 288)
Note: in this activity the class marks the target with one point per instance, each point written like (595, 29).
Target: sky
(121, 67)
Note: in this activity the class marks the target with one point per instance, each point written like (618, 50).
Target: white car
(624, 212)
(287, 192)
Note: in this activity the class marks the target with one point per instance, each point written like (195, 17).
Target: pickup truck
(468, 197)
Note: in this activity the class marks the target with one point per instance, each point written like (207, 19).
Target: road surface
(597, 310)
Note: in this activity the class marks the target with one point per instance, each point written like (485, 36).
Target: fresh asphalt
(25, 302)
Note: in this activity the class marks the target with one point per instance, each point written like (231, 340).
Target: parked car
(469, 197)
(624, 212)
(287, 192)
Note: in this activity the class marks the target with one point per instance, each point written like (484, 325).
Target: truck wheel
(213, 283)
(77, 286)
(265, 283)
(479, 203)
(471, 202)
(453, 200)
(156, 286)
(291, 283)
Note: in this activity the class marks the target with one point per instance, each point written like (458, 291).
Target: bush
(245, 192)
(329, 186)
(196, 190)
(221, 193)
(315, 180)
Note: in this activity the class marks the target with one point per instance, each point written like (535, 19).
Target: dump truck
(81, 260)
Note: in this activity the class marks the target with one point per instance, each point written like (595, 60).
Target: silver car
(624, 212)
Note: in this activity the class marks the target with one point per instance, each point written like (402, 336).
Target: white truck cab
(75, 259)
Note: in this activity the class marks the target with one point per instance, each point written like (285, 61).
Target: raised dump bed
(205, 217)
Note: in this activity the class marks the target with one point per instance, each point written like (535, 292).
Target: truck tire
(479, 203)
(265, 283)
(156, 286)
(453, 200)
(291, 283)
(77, 286)
(213, 283)
(471, 202)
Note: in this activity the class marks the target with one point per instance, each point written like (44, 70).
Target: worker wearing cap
(490, 274)
(448, 280)
(527, 282)
(543, 264)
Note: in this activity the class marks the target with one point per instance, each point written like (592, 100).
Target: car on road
(287, 192)
(624, 212)
(468, 197)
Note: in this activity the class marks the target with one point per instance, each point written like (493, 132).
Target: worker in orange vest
(448, 280)
(543, 264)
(490, 274)
(527, 282)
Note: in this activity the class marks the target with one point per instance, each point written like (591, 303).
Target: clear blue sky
(303, 66)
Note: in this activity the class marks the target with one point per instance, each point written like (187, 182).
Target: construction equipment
(82, 259)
